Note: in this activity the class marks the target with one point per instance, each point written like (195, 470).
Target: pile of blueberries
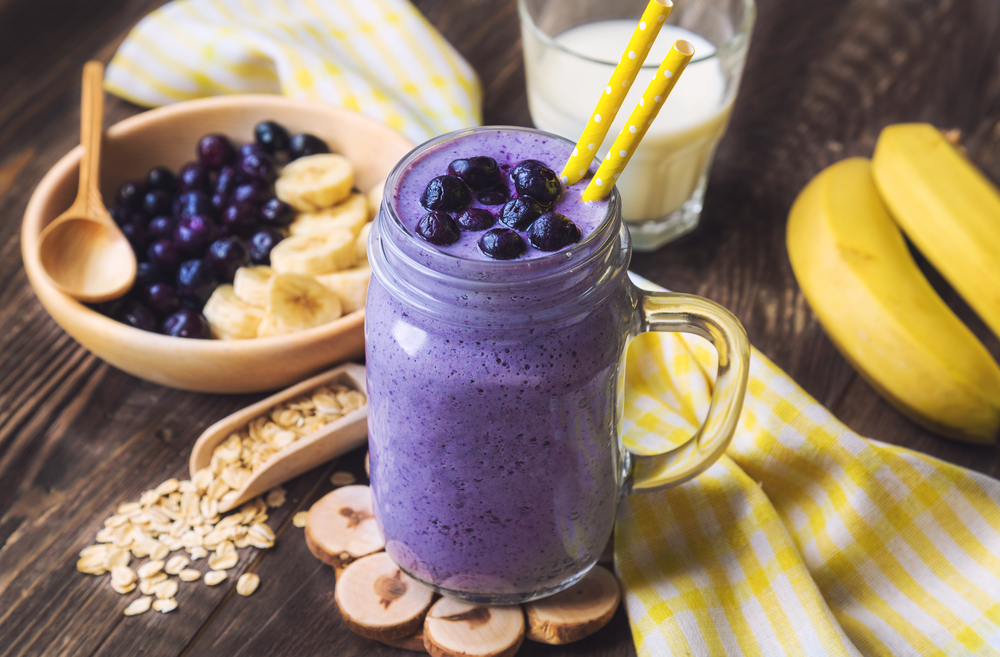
(537, 189)
(192, 230)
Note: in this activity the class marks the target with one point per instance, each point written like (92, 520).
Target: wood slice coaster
(458, 629)
(413, 643)
(379, 601)
(577, 612)
(341, 527)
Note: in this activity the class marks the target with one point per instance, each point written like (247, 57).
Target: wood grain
(77, 437)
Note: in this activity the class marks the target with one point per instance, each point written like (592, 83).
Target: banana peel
(880, 311)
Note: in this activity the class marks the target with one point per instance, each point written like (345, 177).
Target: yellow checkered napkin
(378, 57)
(806, 539)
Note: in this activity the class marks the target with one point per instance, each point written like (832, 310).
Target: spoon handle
(91, 131)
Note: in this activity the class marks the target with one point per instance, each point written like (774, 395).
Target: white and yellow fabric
(378, 57)
(805, 540)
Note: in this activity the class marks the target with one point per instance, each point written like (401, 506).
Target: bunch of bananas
(319, 272)
(850, 258)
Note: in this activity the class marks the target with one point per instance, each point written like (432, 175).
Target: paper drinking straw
(614, 94)
(649, 106)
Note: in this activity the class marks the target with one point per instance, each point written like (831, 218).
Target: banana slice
(250, 284)
(296, 302)
(315, 182)
(230, 317)
(375, 198)
(361, 244)
(351, 214)
(351, 285)
(314, 254)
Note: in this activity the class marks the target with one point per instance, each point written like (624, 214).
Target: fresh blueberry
(193, 235)
(276, 212)
(196, 280)
(552, 231)
(446, 194)
(251, 147)
(261, 244)
(219, 203)
(140, 219)
(239, 218)
(163, 179)
(146, 273)
(119, 213)
(130, 194)
(157, 202)
(254, 193)
(194, 177)
(438, 228)
(164, 255)
(476, 219)
(272, 136)
(186, 323)
(138, 315)
(162, 299)
(518, 213)
(501, 244)
(215, 152)
(496, 196)
(226, 255)
(161, 228)
(259, 166)
(534, 179)
(477, 172)
(192, 203)
(110, 308)
(136, 236)
(228, 180)
(304, 144)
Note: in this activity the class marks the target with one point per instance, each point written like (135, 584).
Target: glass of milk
(571, 48)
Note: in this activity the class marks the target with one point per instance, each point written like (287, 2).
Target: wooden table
(77, 437)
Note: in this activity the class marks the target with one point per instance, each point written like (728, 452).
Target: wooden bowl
(168, 136)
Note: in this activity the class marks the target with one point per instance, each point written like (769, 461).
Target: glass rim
(733, 43)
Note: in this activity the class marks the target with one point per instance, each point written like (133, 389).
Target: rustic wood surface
(77, 437)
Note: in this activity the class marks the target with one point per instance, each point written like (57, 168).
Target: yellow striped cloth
(378, 57)
(805, 539)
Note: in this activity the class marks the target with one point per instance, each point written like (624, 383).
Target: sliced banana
(314, 254)
(230, 317)
(315, 182)
(351, 213)
(250, 284)
(296, 302)
(361, 244)
(351, 285)
(375, 198)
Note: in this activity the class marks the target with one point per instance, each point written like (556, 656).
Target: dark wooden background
(77, 437)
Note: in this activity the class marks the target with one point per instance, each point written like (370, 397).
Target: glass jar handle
(686, 313)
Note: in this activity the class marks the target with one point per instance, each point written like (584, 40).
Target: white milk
(666, 168)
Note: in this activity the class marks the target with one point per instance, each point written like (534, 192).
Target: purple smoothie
(494, 391)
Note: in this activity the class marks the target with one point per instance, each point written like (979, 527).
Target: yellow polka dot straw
(642, 116)
(614, 94)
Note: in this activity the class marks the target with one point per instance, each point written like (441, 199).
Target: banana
(351, 285)
(314, 254)
(361, 244)
(250, 284)
(315, 182)
(375, 198)
(295, 303)
(229, 317)
(878, 309)
(351, 213)
(947, 207)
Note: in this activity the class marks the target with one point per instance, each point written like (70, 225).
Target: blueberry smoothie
(494, 335)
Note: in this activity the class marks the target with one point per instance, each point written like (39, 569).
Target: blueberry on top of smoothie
(532, 178)
(495, 196)
(476, 219)
(477, 172)
(552, 231)
(446, 194)
(520, 212)
(438, 228)
(502, 244)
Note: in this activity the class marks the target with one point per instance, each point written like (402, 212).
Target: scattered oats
(145, 547)
(176, 564)
(149, 569)
(122, 588)
(223, 561)
(202, 479)
(276, 497)
(243, 541)
(92, 564)
(116, 521)
(167, 487)
(166, 590)
(192, 539)
(197, 552)
(214, 577)
(128, 508)
(159, 553)
(247, 584)
(138, 606)
(342, 478)
(165, 605)
(147, 586)
(299, 519)
(123, 576)
(189, 575)
(230, 498)
(117, 557)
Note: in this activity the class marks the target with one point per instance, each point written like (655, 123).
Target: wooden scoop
(83, 252)
(334, 439)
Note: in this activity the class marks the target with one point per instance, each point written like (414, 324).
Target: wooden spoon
(334, 439)
(83, 252)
